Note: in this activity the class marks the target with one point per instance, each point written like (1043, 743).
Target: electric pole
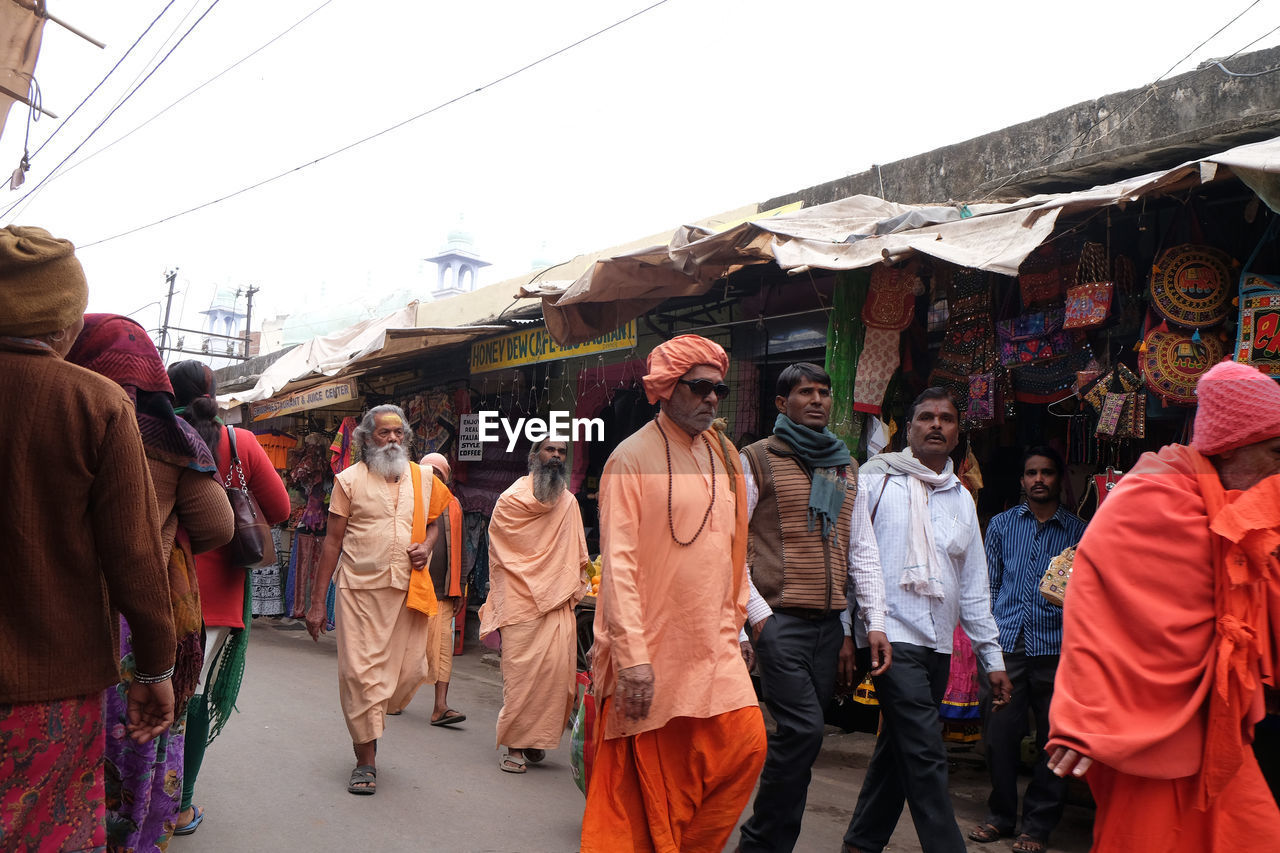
(248, 316)
(171, 277)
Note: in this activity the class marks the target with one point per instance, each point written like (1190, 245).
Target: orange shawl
(1167, 633)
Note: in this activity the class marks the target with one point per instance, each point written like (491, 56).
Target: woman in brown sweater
(142, 783)
(79, 541)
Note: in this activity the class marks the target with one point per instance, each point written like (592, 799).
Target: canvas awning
(353, 351)
(860, 231)
(21, 30)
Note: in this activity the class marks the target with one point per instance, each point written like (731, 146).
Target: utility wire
(221, 73)
(380, 133)
(104, 79)
(108, 116)
(1150, 91)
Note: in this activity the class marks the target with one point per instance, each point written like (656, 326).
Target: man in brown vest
(813, 559)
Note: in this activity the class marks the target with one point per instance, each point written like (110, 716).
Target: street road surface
(276, 778)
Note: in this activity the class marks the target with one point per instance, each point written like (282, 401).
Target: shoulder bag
(251, 546)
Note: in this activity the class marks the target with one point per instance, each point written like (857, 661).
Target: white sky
(693, 108)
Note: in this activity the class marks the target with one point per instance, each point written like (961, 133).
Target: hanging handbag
(251, 547)
(1040, 278)
(1035, 337)
(1053, 585)
(1258, 336)
(1190, 285)
(1089, 300)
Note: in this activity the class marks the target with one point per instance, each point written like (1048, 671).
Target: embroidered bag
(891, 298)
(1050, 381)
(1172, 362)
(1040, 278)
(1119, 378)
(1113, 420)
(1089, 300)
(1053, 586)
(1190, 285)
(1035, 337)
(1258, 337)
(982, 397)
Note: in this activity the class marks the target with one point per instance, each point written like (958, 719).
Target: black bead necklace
(711, 459)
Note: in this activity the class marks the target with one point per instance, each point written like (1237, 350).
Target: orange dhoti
(380, 657)
(677, 789)
(1137, 813)
(539, 680)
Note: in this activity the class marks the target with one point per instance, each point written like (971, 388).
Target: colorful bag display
(1171, 362)
(1035, 337)
(1089, 299)
(1040, 280)
(1258, 336)
(1119, 378)
(982, 397)
(1048, 382)
(1191, 285)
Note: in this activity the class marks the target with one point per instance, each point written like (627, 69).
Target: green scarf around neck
(823, 453)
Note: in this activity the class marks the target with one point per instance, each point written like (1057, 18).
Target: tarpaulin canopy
(352, 351)
(21, 30)
(863, 230)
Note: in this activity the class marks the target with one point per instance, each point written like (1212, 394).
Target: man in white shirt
(812, 555)
(935, 576)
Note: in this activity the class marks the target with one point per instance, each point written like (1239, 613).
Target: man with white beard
(537, 573)
(379, 536)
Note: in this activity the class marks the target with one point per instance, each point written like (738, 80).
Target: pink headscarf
(676, 357)
(1237, 405)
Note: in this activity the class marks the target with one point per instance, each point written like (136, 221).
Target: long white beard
(548, 481)
(389, 460)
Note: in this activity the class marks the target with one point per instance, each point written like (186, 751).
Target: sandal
(188, 829)
(1029, 844)
(985, 833)
(511, 764)
(364, 780)
(533, 756)
(449, 718)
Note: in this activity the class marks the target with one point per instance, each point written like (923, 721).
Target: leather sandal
(985, 833)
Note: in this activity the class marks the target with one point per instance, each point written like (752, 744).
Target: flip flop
(190, 828)
(510, 764)
(364, 780)
(985, 833)
(1029, 844)
(449, 718)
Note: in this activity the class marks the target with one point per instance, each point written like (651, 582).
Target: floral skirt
(51, 770)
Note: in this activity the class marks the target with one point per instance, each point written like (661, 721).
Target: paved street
(276, 778)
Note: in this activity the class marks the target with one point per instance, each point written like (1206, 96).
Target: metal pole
(170, 277)
(248, 316)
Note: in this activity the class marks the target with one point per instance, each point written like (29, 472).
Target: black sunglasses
(703, 387)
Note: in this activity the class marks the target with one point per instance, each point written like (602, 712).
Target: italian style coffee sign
(532, 346)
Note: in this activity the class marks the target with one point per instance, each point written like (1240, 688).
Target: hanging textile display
(844, 347)
(889, 308)
(1040, 281)
(1258, 336)
(968, 356)
(1171, 362)
(1190, 285)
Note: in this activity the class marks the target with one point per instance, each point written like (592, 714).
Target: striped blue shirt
(1019, 549)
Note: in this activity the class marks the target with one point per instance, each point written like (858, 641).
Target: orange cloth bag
(422, 592)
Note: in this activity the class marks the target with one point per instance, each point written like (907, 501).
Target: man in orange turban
(680, 739)
(1170, 634)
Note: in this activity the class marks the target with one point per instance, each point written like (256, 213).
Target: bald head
(438, 462)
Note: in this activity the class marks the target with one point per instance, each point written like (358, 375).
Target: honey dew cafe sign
(312, 398)
(535, 345)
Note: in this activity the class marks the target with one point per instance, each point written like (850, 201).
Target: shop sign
(535, 345)
(469, 448)
(311, 398)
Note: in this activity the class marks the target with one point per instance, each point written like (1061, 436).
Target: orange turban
(673, 359)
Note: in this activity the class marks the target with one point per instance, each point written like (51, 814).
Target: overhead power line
(378, 134)
(104, 79)
(108, 116)
(1150, 91)
(215, 77)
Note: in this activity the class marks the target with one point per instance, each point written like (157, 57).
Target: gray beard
(388, 461)
(548, 481)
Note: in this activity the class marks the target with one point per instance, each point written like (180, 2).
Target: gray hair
(363, 433)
